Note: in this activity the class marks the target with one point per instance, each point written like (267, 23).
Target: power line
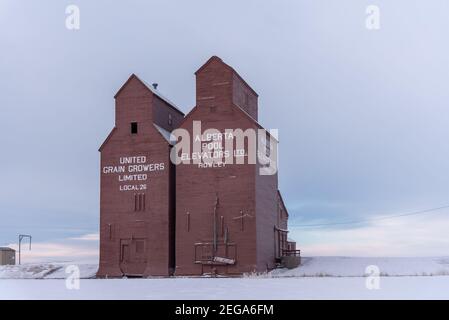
(371, 220)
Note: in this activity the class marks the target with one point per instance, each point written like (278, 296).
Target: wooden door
(133, 256)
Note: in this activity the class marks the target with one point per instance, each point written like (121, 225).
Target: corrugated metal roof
(160, 95)
(152, 89)
(166, 134)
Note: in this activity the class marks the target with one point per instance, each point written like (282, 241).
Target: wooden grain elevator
(160, 218)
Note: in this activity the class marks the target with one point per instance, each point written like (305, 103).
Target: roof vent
(155, 86)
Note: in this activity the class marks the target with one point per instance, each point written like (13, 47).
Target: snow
(311, 267)
(317, 278)
(159, 94)
(436, 287)
(356, 267)
(45, 271)
(171, 139)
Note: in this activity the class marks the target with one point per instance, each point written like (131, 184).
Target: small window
(133, 127)
(110, 231)
(139, 202)
(268, 144)
(170, 119)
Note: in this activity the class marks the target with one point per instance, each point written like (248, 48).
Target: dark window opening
(188, 221)
(268, 144)
(139, 202)
(133, 127)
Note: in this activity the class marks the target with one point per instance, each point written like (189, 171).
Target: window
(188, 221)
(110, 231)
(170, 119)
(268, 144)
(133, 127)
(139, 202)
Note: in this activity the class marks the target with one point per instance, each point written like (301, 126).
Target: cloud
(88, 237)
(423, 235)
(80, 249)
(420, 235)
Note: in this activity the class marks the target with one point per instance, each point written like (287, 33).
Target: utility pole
(21, 236)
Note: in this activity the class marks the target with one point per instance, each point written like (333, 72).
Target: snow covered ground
(317, 278)
(436, 287)
(356, 267)
(45, 271)
(311, 267)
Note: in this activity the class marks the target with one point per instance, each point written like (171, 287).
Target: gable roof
(246, 114)
(107, 138)
(166, 134)
(217, 59)
(151, 89)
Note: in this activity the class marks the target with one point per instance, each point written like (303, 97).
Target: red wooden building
(158, 218)
(137, 212)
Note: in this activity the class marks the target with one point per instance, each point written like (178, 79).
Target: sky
(362, 114)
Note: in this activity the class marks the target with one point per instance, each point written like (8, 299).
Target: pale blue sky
(362, 115)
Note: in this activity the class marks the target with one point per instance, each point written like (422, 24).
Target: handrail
(291, 253)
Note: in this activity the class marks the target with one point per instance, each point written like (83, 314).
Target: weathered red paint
(189, 220)
(248, 204)
(136, 226)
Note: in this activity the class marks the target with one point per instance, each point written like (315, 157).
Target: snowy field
(356, 267)
(436, 287)
(317, 278)
(45, 271)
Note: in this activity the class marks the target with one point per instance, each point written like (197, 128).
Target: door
(125, 253)
(133, 256)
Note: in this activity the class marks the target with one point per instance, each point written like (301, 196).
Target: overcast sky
(363, 115)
